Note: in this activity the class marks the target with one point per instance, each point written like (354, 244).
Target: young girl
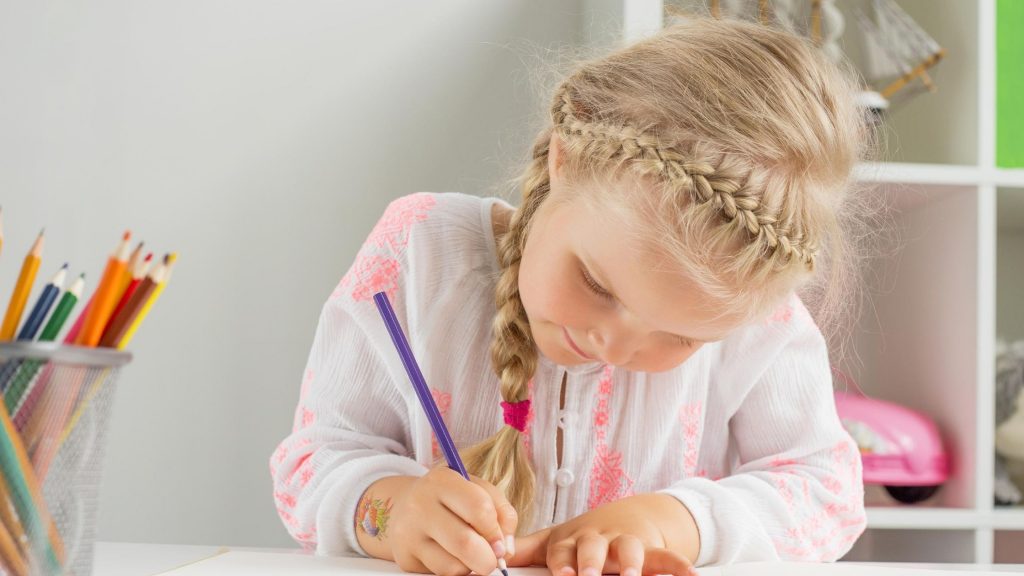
(622, 360)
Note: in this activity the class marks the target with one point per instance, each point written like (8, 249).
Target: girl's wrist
(373, 519)
(675, 522)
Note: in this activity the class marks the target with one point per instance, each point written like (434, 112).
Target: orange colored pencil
(21, 290)
(105, 297)
(133, 261)
(138, 272)
(10, 553)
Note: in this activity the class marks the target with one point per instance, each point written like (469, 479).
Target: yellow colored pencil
(105, 297)
(169, 260)
(21, 290)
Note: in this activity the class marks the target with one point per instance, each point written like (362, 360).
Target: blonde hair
(744, 138)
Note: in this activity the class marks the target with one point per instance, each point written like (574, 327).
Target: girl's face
(593, 294)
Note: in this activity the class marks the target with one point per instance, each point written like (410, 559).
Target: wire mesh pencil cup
(58, 401)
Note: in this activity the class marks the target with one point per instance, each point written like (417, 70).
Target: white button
(566, 418)
(564, 477)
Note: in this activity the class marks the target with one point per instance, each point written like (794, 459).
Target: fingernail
(510, 544)
(499, 548)
(590, 572)
(693, 571)
(630, 572)
(567, 571)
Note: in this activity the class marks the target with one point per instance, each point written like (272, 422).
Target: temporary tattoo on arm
(372, 516)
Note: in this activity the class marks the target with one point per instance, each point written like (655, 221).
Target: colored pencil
(139, 272)
(106, 295)
(27, 494)
(23, 382)
(120, 325)
(169, 260)
(419, 384)
(43, 304)
(63, 310)
(22, 288)
(12, 525)
(11, 557)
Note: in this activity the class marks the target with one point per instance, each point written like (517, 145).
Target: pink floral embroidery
(376, 268)
(608, 481)
(824, 527)
(690, 418)
(285, 499)
(444, 404)
(392, 230)
(370, 274)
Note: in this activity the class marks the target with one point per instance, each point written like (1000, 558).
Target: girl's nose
(611, 348)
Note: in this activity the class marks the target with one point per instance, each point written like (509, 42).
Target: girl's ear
(554, 156)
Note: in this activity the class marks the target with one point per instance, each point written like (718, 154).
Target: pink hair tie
(516, 413)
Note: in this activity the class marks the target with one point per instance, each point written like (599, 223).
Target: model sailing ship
(898, 52)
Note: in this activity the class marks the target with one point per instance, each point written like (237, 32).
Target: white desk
(126, 559)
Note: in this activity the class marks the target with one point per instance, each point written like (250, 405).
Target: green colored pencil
(26, 372)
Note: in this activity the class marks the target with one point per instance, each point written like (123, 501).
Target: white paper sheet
(238, 562)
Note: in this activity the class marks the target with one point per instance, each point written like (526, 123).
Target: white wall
(260, 139)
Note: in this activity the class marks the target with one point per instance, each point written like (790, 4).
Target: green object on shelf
(1009, 84)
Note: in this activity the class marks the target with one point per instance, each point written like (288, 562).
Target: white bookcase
(928, 341)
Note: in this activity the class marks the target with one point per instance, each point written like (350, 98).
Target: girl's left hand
(644, 534)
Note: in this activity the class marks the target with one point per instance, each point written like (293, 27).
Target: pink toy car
(901, 449)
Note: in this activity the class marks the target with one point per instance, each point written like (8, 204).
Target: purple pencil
(419, 384)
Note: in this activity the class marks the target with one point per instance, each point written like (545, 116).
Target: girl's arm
(797, 493)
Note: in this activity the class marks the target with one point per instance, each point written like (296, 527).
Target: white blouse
(744, 433)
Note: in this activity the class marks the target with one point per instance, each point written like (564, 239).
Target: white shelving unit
(928, 342)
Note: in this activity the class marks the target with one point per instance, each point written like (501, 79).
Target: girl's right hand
(442, 524)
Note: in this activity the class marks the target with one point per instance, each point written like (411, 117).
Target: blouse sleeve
(797, 493)
(352, 425)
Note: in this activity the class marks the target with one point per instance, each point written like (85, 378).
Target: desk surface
(129, 559)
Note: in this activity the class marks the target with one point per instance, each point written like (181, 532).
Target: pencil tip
(504, 572)
(127, 234)
(149, 257)
(43, 231)
(65, 266)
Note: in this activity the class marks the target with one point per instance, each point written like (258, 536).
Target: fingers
(531, 550)
(591, 553)
(461, 541)
(629, 551)
(663, 561)
(561, 558)
(475, 506)
(439, 561)
(508, 519)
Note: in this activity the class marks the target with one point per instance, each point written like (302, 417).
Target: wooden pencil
(11, 556)
(12, 528)
(105, 297)
(27, 494)
(138, 274)
(170, 260)
(43, 304)
(120, 325)
(19, 297)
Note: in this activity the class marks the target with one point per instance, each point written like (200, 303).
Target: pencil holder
(57, 402)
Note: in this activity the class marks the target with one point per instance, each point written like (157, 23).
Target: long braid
(502, 459)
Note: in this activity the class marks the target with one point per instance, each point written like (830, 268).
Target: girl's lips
(574, 347)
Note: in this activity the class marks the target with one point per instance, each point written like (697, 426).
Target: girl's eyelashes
(685, 341)
(594, 286)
